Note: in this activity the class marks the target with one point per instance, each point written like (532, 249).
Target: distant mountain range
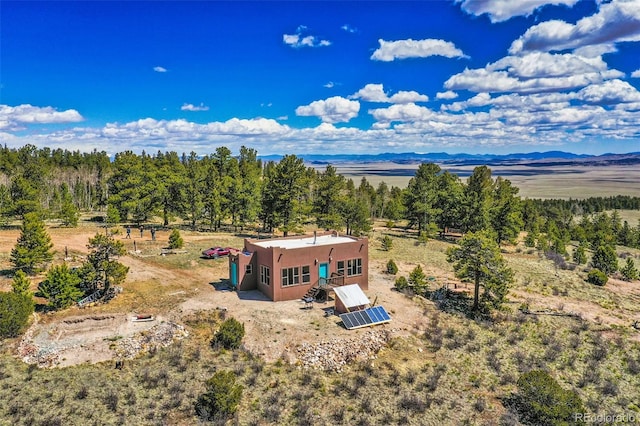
(547, 158)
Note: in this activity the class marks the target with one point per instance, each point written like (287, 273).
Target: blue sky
(476, 76)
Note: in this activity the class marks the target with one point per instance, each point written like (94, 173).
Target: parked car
(216, 252)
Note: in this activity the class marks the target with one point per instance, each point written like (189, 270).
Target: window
(354, 267)
(306, 274)
(341, 267)
(248, 270)
(265, 275)
(290, 276)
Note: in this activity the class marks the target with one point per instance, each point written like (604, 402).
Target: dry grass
(448, 370)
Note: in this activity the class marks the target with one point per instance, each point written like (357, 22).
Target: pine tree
(478, 259)
(33, 248)
(21, 283)
(69, 213)
(421, 196)
(175, 240)
(418, 280)
(605, 259)
(506, 215)
(629, 271)
(101, 270)
(579, 254)
(61, 287)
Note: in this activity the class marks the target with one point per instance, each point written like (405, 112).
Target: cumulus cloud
(636, 74)
(376, 93)
(617, 21)
(446, 95)
(159, 69)
(16, 117)
(403, 49)
(534, 72)
(302, 38)
(503, 10)
(191, 107)
(332, 110)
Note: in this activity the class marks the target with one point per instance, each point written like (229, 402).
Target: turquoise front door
(323, 272)
(234, 274)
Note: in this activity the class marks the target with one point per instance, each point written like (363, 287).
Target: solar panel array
(365, 318)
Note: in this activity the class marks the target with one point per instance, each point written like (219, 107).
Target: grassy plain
(534, 182)
(440, 368)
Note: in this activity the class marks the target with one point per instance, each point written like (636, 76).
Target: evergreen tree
(68, 213)
(418, 280)
(450, 201)
(506, 216)
(175, 240)
(605, 259)
(478, 200)
(21, 284)
(61, 287)
(629, 271)
(15, 310)
(195, 184)
(221, 399)
(171, 185)
(579, 254)
(250, 172)
(102, 270)
(328, 198)
(33, 248)
(478, 259)
(421, 196)
(625, 236)
(285, 193)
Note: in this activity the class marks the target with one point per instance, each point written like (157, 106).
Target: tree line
(222, 189)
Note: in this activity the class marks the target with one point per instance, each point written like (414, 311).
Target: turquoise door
(234, 274)
(323, 272)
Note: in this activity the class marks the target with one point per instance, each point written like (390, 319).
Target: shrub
(387, 243)
(540, 400)
(15, 310)
(221, 399)
(60, 287)
(21, 283)
(401, 283)
(418, 280)
(229, 335)
(630, 272)
(175, 240)
(597, 277)
(392, 268)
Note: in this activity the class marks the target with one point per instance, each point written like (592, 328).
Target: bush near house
(229, 335)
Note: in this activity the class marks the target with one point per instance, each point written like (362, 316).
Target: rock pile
(334, 354)
(158, 336)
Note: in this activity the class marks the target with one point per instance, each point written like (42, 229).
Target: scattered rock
(333, 355)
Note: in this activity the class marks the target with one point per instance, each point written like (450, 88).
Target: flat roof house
(288, 268)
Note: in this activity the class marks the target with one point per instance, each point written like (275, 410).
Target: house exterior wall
(246, 270)
(301, 266)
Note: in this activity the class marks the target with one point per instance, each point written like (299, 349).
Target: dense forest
(240, 191)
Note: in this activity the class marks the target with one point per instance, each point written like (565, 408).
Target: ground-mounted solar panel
(365, 318)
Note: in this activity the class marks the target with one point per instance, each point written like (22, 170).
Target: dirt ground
(273, 330)
(176, 286)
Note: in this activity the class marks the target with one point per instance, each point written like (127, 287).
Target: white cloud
(332, 110)
(446, 95)
(15, 118)
(371, 93)
(159, 69)
(405, 97)
(636, 74)
(191, 107)
(302, 39)
(348, 28)
(502, 10)
(617, 21)
(376, 93)
(534, 72)
(329, 85)
(402, 49)
(613, 92)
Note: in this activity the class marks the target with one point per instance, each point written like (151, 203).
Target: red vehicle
(216, 252)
